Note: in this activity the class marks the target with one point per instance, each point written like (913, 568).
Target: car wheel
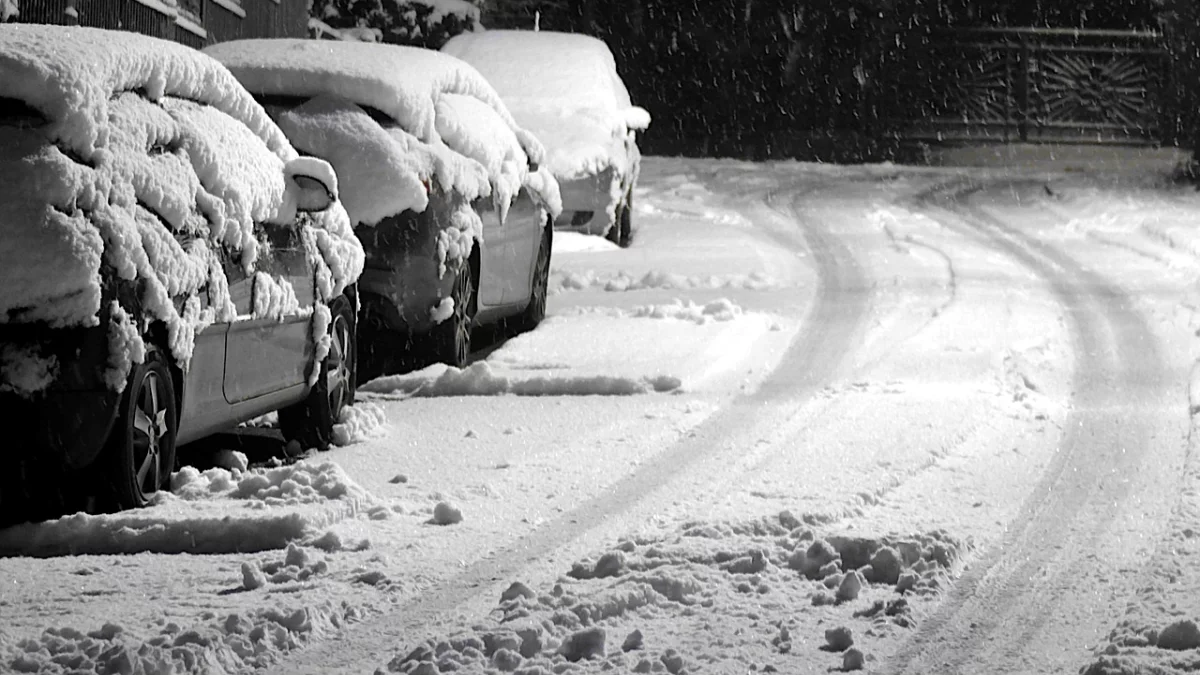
(625, 237)
(621, 230)
(451, 339)
(141, 450)
(310, 422)
(536, 311)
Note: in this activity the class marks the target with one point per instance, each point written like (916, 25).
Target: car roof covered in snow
(544, 65)
(71, 74)
(404, 83)
(564, 88)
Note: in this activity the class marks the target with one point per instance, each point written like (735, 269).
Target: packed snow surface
(802, 518)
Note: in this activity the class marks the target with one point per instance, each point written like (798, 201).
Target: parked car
(171, 268)
(565, 89)
(444, 188)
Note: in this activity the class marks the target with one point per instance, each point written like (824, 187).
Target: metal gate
(1039, 85)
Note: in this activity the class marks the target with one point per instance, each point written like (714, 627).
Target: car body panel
(269, 354)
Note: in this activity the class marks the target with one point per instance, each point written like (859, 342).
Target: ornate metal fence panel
(1039, 85)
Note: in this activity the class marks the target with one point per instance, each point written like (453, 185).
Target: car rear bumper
(589, 203)
(66, 424)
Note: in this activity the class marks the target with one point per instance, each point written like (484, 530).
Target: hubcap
(149, 426)
(337, 367)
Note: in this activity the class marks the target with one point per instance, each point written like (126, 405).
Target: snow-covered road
(940, 414)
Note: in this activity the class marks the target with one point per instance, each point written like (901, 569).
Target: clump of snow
(231, 460)
(443, 310)
(360, 422)
(686, 310)
(446, 513)
(25, 370)
(125, 348)
(9, 9)
(1180, 636)
(480, 379)
(839, 639)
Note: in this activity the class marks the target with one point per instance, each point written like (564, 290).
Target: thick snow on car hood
(562, 87)
(441, 101)
(147, 157)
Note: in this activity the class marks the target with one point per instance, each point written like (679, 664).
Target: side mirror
(637, 119)
(315, 182)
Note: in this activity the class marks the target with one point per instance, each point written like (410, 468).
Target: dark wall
(226, 20)
(816, 78)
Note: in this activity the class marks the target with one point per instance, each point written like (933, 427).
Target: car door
(268, 350)
(204, 404)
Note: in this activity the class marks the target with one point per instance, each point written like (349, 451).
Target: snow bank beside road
(215, 511)
(480, 379)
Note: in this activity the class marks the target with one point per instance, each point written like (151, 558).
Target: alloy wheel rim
(462, 317)
(337, 368)
(150, 425)
(541, 280)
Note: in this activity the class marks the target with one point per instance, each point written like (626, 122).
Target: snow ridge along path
(831, 330)
(1044, 596)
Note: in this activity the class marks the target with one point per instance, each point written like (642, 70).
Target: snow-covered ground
(787, 430)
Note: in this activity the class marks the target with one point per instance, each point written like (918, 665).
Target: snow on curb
(214, 511)
(481, 379)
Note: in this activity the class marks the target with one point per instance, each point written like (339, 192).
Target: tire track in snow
(830, 331)
(1039, 599)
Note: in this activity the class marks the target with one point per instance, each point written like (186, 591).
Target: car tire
(450, 340)
(621, 232)
(140, 453)
(535, 312)
(310, 422)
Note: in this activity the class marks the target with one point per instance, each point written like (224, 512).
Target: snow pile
(237, 642)
(153, 160)
(360, 422)
(705, 598)
(214, 511)
(565, 89)
(481, 379)
(686, 310)
(623, 281)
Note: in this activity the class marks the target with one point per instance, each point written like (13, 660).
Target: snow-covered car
(565, 89)
(171, 267)
(442, 185)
